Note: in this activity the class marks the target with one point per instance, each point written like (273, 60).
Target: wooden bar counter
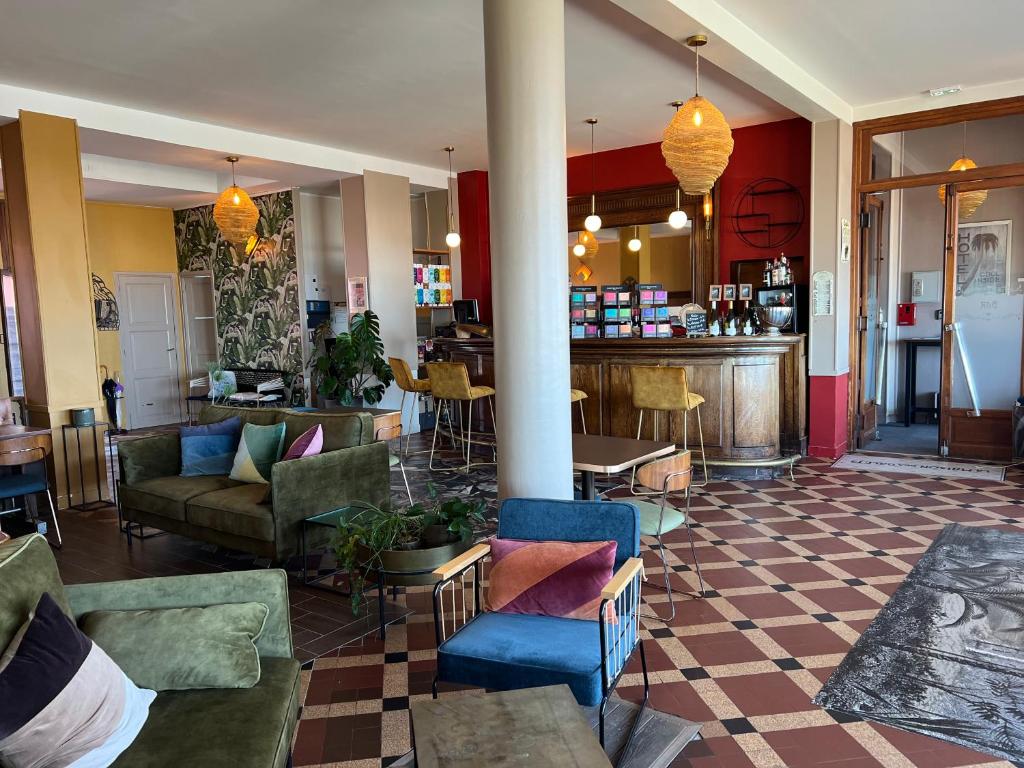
(754, 388)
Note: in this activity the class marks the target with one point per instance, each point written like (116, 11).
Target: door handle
(170, 349)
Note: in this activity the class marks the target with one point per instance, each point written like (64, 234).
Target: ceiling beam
(122, 171)
(190, 133)
(740, 51)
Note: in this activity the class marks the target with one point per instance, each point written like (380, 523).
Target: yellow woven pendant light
(697, 142)
(235, 213)
(967, 202)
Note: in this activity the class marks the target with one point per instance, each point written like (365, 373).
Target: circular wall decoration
(769, 213)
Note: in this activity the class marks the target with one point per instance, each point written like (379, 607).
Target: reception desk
(754, 388)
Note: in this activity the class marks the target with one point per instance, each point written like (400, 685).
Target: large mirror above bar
(682, 260)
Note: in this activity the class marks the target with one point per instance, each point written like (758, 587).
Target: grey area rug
(945, 656)
(914, 465)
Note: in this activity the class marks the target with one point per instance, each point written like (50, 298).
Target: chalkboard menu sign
(696, 320)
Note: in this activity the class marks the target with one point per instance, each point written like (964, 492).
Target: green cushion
(149, 457)
(239, 510)
(247, 727)
(258, 449)
(341, 430)
(27, 570)
(181, 649)
(166, 496)
(649, 514)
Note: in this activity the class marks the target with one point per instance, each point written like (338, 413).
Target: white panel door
(149, 348)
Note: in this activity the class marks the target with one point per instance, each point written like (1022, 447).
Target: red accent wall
(780, 150)
(827, 417)
(475, 226)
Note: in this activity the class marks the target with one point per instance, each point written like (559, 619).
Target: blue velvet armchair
(505, 651)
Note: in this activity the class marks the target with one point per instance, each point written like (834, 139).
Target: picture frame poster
(714, 293)
(983, 258)
(357, 295)
(746, 291)
(729, 292)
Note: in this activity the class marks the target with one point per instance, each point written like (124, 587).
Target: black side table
(84, 506)
(910, 406)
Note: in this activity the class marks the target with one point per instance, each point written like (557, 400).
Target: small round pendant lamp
(453, 239)
(698, 141)
(235, 213)
(593, 222)
(967, 202)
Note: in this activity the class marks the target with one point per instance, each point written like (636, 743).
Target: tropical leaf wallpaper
(256, 296)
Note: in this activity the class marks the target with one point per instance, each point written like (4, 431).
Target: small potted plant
(450, 520)
(351, 368)
(393, 540)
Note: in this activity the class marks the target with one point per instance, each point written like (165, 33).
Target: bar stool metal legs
(53, 514)
(464, 440)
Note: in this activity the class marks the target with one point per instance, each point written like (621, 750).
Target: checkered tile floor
(795, 572)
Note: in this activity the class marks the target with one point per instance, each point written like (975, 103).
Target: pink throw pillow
(550, 578)
(309, 443)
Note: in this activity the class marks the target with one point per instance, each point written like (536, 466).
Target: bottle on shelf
(714, 327)
(767, 277)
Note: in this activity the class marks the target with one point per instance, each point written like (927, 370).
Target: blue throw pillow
(209, 449)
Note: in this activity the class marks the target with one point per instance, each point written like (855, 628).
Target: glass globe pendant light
(579, 250)
(678, 218)
(634, 244)
(593, 222)
(453, 239)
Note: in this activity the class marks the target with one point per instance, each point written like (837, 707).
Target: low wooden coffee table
(603, 453)
(535, 727)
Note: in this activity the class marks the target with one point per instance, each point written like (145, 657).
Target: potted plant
(393, 540)
(351, 368)
(450, 520)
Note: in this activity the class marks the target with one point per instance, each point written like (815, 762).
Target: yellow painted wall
(129, 238)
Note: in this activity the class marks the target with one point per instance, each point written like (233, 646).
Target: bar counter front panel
(754, 388)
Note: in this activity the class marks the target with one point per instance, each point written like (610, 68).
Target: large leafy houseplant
(353, 370)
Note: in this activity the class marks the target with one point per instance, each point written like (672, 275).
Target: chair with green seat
(665, 388)
(409, 385)
(670, 474)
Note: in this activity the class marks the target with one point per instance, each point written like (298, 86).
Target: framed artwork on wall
(729, 292)
(357, 296)
(714, 293)
(983, 258)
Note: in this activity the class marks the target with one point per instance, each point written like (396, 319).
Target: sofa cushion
(262, 416)
(260, 447)
(209, 449)
(166, 496)
(180, 649)
(236, 727)
(341, 430)
(149, 457)
(27, 570)
(505, 651)
(239, 510)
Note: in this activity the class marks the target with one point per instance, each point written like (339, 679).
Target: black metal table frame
(910, 406)
(380, 582)
(84, 506)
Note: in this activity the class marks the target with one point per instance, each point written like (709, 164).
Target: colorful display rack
(433, 284)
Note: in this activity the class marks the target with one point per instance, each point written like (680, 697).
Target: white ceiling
(393, 78)
(872, 51)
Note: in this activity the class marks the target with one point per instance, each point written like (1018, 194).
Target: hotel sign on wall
(983, 258)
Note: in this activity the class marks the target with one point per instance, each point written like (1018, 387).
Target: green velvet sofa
(251, 727)
(216, 509)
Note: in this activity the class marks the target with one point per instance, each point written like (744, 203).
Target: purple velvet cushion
(549, 578)
(309, 443)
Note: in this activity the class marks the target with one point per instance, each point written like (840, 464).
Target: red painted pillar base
(827, 420)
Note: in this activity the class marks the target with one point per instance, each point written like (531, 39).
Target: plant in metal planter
(351, 368)
(375, 539)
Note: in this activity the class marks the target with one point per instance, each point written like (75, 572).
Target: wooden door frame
(868, 201)
(176, 325)
(864, 132)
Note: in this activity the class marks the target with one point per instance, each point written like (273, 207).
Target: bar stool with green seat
(664, 388)
(578, 396)
(670, 474)
(449, 382)
(409, 385)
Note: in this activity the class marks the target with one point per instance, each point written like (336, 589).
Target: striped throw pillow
(62, 700)
(549, 578)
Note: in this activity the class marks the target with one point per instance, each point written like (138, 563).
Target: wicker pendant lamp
(235, 213)
(967, 202)
(698, 141)
(590, 245)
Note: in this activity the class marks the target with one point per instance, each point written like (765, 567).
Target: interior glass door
(871, 321)
(983, 323)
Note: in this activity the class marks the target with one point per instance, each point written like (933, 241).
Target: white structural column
(524, 45)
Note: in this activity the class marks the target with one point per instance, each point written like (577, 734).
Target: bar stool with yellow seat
(670, 474)
(578, 396)
(409, 386)
(450, 382)
(664, 388)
